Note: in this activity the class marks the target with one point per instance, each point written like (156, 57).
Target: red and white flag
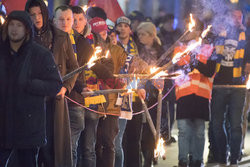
(111, 7)
(11, 5)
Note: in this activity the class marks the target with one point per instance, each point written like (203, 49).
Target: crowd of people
(47, 121)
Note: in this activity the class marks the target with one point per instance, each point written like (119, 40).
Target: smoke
(215, 12)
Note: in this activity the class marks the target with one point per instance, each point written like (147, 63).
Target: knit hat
(123, 19)
(98, 25)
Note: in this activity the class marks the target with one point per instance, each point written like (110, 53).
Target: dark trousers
(105, 145)
(148, 141)
(46, 153)
(132, 142)
(27, 157)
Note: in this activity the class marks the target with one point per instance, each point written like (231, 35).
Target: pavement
(172, 152)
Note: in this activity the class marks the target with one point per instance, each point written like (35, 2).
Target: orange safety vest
(197, 83)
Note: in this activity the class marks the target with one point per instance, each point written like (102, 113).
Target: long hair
(151, 29)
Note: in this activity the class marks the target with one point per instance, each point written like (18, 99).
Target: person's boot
(196, 164)
(182, 164)
(211, 158)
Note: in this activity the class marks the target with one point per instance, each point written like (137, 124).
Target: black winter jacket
(26, 78)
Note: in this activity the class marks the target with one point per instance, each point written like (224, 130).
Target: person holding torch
(193, 95)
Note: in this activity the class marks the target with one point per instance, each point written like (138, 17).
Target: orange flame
(248, 82)
(85, 8)
(204, 33)
(159, 74)
(107, 54)
(160, 149)
(2, 20)
(191, 47)
(191, 23)
(92, 60)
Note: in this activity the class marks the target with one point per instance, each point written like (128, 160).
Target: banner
(11, 5)
(111, 7)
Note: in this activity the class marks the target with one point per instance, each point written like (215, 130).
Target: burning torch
(178, 56)
(91, 62)
(191, 26)
(2, 20)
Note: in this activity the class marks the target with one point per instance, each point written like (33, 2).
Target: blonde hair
(149, 28)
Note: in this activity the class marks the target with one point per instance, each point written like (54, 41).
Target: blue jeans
(76, 115)
(190, 132)
(119, 155)
(227, 102)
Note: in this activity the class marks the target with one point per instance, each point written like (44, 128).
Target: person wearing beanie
(57, 114)
(28, 74)
(150, 50)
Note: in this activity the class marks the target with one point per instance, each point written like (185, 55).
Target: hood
(44, 10)
(22, 16)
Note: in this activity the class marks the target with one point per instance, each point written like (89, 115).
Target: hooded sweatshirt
(42, 36)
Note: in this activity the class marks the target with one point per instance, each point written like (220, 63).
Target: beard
(16, 40)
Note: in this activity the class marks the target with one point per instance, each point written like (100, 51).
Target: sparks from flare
(248, 82)
(191, 24)
(160, 149)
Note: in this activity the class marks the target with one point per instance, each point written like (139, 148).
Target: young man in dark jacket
(28, 73)
(64, 20)
(57, 152)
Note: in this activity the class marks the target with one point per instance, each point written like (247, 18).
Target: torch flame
(191, 47)
(191, 23)
(2, 20)
(85, 8)
(92, 60)
(107, 54)
(248, 82)
(130, 91)
(160, 150)
(159, 74)
(204, 33)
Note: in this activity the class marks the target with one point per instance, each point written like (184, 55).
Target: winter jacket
(84, 53)
(150, 56)
(26, 78)
(118, 57)
(194, 92)
(58, 42)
